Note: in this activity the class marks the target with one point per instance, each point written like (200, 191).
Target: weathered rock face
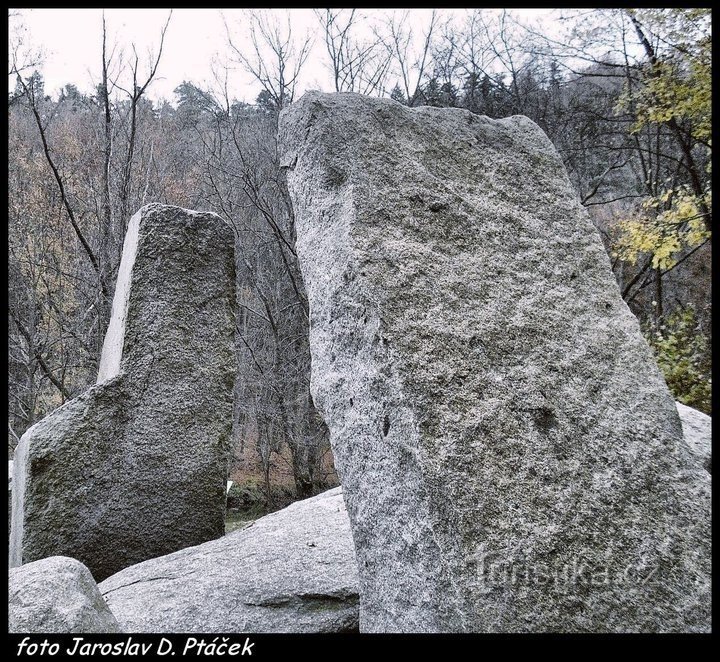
(10, 473)
(56, 594)
(291, 571)
(697, 432)
(504, 438)
(135, 467)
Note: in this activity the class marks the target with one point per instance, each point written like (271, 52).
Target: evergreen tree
(398, 95)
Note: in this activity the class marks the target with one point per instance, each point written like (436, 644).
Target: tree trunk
(658, 298)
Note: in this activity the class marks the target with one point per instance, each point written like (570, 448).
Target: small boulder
(57, 595)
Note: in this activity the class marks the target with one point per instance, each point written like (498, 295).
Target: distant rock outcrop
(510, 455)
(135, 467)
(291, 571)
(59, 595)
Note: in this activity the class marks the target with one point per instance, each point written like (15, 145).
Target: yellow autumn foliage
(678, 84)
(663, 227)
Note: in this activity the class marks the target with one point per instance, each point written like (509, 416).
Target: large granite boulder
(135, 467)
(56, 594)
(697, 432)
(291, 571)
(510, 455)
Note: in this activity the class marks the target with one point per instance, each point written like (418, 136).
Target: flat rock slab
(135, 467)
(503, 435)
(291, 571)
(56, 595)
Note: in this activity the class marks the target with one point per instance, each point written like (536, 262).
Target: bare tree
(233, 148)
(30, 94)
(106, 220)
(75, 163)
(474, 51)
(247, 186)
(276, 58)
(412, 54)
(135, 94)
(356, 65)
(22, 56)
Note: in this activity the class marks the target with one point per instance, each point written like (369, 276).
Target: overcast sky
(70, 40)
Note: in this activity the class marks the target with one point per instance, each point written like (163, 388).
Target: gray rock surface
(10, 473)
(135, 467)
(291, 571)
(56, 594)
(697, 432)
(510, 455)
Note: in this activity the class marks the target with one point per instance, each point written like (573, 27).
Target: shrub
(682, 351)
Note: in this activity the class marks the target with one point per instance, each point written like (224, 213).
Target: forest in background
(624, 95)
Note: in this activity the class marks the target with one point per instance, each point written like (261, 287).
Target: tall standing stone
(510, 455)
(135, 467)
